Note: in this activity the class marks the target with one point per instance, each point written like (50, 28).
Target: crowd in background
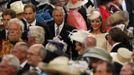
(66, 37)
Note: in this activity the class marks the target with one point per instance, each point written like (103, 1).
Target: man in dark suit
(6, 16)
(36, 54)
(30, 18)
(60, 28)
(20, 51)
(118, 39)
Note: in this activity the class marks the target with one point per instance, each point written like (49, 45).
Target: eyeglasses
(32, 54)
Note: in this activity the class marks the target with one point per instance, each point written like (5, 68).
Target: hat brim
(60, 69)
(115, 59)
(92, 55)
(76, 5)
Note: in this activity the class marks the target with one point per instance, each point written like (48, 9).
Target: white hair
(19, 22)
(60, 9)
(12, 60)
(37, 32)
(23, 46)
(42, 51)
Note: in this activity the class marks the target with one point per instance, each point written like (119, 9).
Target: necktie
(57, 31)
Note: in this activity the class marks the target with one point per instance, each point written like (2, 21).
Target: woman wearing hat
(97, 29)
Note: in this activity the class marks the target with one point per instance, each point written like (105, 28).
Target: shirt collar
(115, 44)
(33, 23)
(23, 64)
(37, 68)
(60, 26)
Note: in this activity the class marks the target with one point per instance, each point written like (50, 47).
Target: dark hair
(118, 35)
(9, 12)
(103, 2)
(30, 6)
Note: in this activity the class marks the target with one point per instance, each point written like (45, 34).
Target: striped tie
(57, 31)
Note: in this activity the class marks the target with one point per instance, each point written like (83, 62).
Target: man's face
(33, 56)
(5, 19)
(101, 69)
(58, 17)
(21, 55)
(14, 32)
(29, 14)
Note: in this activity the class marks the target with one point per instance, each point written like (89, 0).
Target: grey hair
(42, 50)
(37, 32)
(23, 46)
(60, 9)
(19, 22)
(12, 60)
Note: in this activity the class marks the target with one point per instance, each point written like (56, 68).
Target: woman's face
(95, 24)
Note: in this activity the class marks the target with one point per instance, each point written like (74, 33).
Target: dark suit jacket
(121, 45)
(130, 9)
(64, 35)
(2, 34)
(24, 69)
(45, 27)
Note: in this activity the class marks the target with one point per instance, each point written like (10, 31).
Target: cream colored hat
(98, 53)
(79, 35)
(92, 13)
(78, 3)
(17, 6)
(122, 56)
(60, 65)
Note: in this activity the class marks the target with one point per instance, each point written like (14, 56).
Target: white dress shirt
(32, 24)
(38, 70)
(60, 27)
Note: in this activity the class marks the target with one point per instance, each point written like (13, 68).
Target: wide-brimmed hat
(59, 65)
(17, 6)
(122, 56)
(56, 46)
(78, 35)
(98, 53)
(76, 3)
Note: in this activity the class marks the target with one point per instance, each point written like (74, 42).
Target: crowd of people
(66, 37)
